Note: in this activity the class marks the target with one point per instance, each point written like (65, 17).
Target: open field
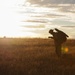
(35, 57)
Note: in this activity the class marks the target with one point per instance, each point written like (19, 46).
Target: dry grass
(35, 57)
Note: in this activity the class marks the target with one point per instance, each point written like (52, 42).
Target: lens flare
(64, 50)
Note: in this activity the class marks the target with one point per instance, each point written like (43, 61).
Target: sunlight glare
(10, 18)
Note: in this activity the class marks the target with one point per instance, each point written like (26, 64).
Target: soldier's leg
(58, 50)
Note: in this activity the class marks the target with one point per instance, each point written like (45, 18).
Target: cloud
(48, 2)
(47, 14)
(34, 26)
(67, 8)
(62, 22)
(63, 5)
(53, 15)
(68, 26)
(37, 21)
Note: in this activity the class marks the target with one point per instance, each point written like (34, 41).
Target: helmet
(50, 31)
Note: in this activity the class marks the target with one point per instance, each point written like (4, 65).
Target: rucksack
(62, 37)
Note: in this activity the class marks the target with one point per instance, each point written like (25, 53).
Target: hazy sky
(34, 18)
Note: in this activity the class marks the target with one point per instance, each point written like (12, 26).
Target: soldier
(59, 38)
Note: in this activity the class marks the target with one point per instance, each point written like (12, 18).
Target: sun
(9, 18)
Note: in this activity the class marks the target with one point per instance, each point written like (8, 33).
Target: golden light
(64, 49)
(10, 19)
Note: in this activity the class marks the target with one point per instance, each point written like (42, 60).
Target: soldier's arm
(50, 37)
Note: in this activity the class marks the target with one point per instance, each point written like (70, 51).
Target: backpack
(62, 37)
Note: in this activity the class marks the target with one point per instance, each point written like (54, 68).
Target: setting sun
(10, 19)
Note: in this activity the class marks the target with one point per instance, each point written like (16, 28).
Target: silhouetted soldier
(59, 38)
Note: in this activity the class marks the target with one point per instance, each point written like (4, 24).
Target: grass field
(35, 57)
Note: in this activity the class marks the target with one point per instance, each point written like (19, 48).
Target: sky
(34, 18)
